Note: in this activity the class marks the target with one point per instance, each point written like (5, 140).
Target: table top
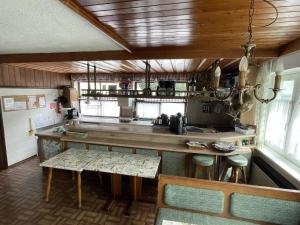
(168, 222)
(109, 162)
(153, 145)
(125, 164)
(72, 159)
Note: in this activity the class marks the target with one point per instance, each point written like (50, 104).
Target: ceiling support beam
(142, 53)
(289, 48)
(73, 4)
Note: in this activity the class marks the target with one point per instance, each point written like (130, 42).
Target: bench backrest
(249, 203)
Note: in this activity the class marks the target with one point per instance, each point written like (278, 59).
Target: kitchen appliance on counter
(72, 114)
(163, 120)
(178, 124)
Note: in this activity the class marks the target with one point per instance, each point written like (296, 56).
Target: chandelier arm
(262, 100)
(223, 98)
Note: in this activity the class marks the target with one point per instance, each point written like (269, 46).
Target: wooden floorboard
(22, 202)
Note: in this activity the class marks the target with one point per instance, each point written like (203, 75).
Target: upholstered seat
(194, 218)
(237, 160)
(203, 160)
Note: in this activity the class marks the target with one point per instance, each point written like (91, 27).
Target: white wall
(19, 145)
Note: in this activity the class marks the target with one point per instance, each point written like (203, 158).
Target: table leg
(116, 191)
(79, 194)
(136, 188)
(49, 184)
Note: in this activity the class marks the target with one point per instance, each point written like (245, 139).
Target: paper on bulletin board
(42, 101)
(32, 102)
(20, 105)
(9, 103)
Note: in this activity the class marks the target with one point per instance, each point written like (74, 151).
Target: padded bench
(197, 201)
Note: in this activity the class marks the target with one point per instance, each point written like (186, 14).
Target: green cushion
(194, 198)
(194, 218)
(204, 160)
(237, 160)
(265, 209)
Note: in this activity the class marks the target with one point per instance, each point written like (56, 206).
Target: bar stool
(237, 162)
(205, 162)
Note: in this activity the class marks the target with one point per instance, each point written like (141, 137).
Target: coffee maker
(178, 124)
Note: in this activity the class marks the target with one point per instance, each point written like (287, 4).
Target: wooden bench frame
(227, 189)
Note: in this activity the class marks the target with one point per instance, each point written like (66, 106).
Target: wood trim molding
(73, 4)
(138, 53)
(290, 48)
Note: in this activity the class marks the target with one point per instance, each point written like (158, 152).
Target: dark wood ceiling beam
(291, 47)
(73, 4)
(138, 53)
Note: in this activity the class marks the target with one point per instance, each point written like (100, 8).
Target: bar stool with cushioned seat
(237, 162)
(203, 161)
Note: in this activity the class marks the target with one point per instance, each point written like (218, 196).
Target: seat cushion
(194, 218)
(203, 160)
(194, 198)
(237, 160)
(265, 209)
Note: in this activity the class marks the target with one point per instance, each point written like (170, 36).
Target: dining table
(115, 163)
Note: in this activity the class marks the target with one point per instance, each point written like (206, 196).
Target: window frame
(288, 75)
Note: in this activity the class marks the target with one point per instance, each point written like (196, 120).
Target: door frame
(3, 155)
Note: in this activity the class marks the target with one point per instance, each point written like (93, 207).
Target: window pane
(91, 109)
(147, 110)
(293, 146)
(172, 108)
(110, 108)
(279, 111)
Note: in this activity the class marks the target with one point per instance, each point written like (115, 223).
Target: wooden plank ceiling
(197, 23)
(132, 66)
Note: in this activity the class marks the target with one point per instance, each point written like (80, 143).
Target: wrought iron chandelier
(240, 94)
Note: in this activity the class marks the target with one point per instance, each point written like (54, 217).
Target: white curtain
(265, 78)
(293, 136)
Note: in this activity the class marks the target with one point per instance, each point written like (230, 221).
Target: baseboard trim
(23, 161)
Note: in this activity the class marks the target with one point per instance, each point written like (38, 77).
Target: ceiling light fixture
(242, 91)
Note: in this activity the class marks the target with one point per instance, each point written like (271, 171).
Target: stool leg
(225, 171)
(79, 194)
(236, 174)
(196, 171)
(208, 173)
(100, 178)
(244, 174)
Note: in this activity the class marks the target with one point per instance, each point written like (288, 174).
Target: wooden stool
(237, 162)
(203, 161)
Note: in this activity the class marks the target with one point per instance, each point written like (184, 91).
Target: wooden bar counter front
(142, 139)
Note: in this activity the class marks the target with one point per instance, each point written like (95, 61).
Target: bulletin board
(23, 102)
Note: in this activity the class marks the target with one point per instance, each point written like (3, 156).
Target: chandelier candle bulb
(243, 67)
(217, 77)
(277, 81)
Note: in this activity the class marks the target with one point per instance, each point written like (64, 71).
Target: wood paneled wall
(12, 76)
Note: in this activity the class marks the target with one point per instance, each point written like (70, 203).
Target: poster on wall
(42, 101)
(32, 102)
(8, 103)
(20, 105)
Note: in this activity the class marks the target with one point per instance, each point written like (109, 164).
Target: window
(152, 108)
(283, 121)
(105, 107)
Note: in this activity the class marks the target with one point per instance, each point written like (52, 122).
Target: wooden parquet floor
(22, 189)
